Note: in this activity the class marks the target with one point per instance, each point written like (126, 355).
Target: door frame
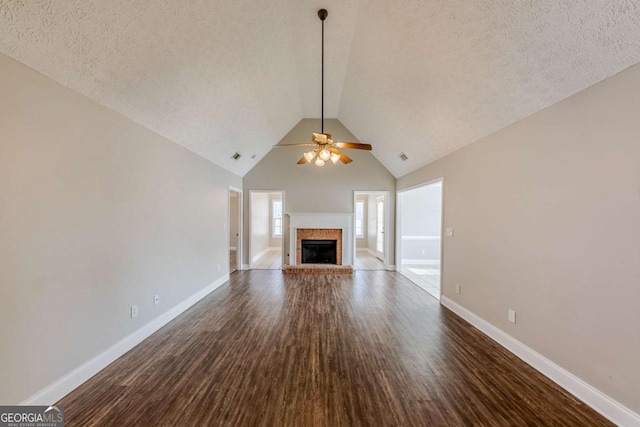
(380, 199)
(240, 224)
(251, 193)
(387, 223)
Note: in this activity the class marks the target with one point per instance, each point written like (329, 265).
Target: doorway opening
(266, 226)
(370, 221)
(235, 229)
(419, 241)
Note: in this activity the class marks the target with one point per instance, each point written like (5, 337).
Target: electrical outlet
(218, 267)
(512, 316)
(156, 299)
(134, 311)
(457, 288)
(448, 232)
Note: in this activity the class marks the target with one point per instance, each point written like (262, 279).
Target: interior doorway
(370, 222)
(266, 228)
(419, 231)
(235, 229)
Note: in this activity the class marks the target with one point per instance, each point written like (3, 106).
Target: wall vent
(403, 157)
(236, 156)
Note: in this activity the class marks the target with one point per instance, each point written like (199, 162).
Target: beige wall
(97, 213)
(547, 222)
(310, 189)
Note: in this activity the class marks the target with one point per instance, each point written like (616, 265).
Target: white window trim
(361, 235)
(273, 219)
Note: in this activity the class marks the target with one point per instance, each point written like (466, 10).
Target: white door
(380, 227)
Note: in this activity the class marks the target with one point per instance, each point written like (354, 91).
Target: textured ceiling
(420, 77)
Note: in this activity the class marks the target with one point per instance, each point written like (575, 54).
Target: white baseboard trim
(245, 267)
(390, 267)
(608, 407)
(362, 249)
(63, 386)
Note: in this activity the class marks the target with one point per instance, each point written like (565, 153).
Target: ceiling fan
(324, 147)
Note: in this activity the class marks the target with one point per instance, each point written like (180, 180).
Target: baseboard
(608, 407)
(390, 267)
(245, 267)
(362, 249)
(63, 386)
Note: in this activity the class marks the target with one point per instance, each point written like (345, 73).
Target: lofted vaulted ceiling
(420, 77)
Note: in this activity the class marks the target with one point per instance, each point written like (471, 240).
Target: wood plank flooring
(366, 261)
(269, 349)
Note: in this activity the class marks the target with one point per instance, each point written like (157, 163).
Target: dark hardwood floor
(296, 350)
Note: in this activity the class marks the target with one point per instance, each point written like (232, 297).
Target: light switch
(512, 316)
(448, 232)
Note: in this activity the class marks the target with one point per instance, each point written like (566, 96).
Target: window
(359, 218)
(276, 214)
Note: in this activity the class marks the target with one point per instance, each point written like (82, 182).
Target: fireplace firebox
(319, 251)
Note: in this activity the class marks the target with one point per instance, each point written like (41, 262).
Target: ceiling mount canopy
(324, 147)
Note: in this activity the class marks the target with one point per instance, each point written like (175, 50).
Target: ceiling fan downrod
(324, 147)
(322, 14)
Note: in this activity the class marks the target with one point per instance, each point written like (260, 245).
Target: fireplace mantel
(341, 221)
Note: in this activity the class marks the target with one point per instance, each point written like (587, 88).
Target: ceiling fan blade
(356, 145)
(345, 159)
(302, 161)
(305, 144)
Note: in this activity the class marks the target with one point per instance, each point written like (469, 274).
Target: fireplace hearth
(319, 251)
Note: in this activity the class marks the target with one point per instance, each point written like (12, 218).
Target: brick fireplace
(319, 234)
(321, 226)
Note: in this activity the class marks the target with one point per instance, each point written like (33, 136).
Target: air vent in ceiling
(403, 157)
(236, 156)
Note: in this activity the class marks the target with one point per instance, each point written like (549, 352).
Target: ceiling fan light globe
(319, 162)
(309, 155)
(324, 154)
(335, 157)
